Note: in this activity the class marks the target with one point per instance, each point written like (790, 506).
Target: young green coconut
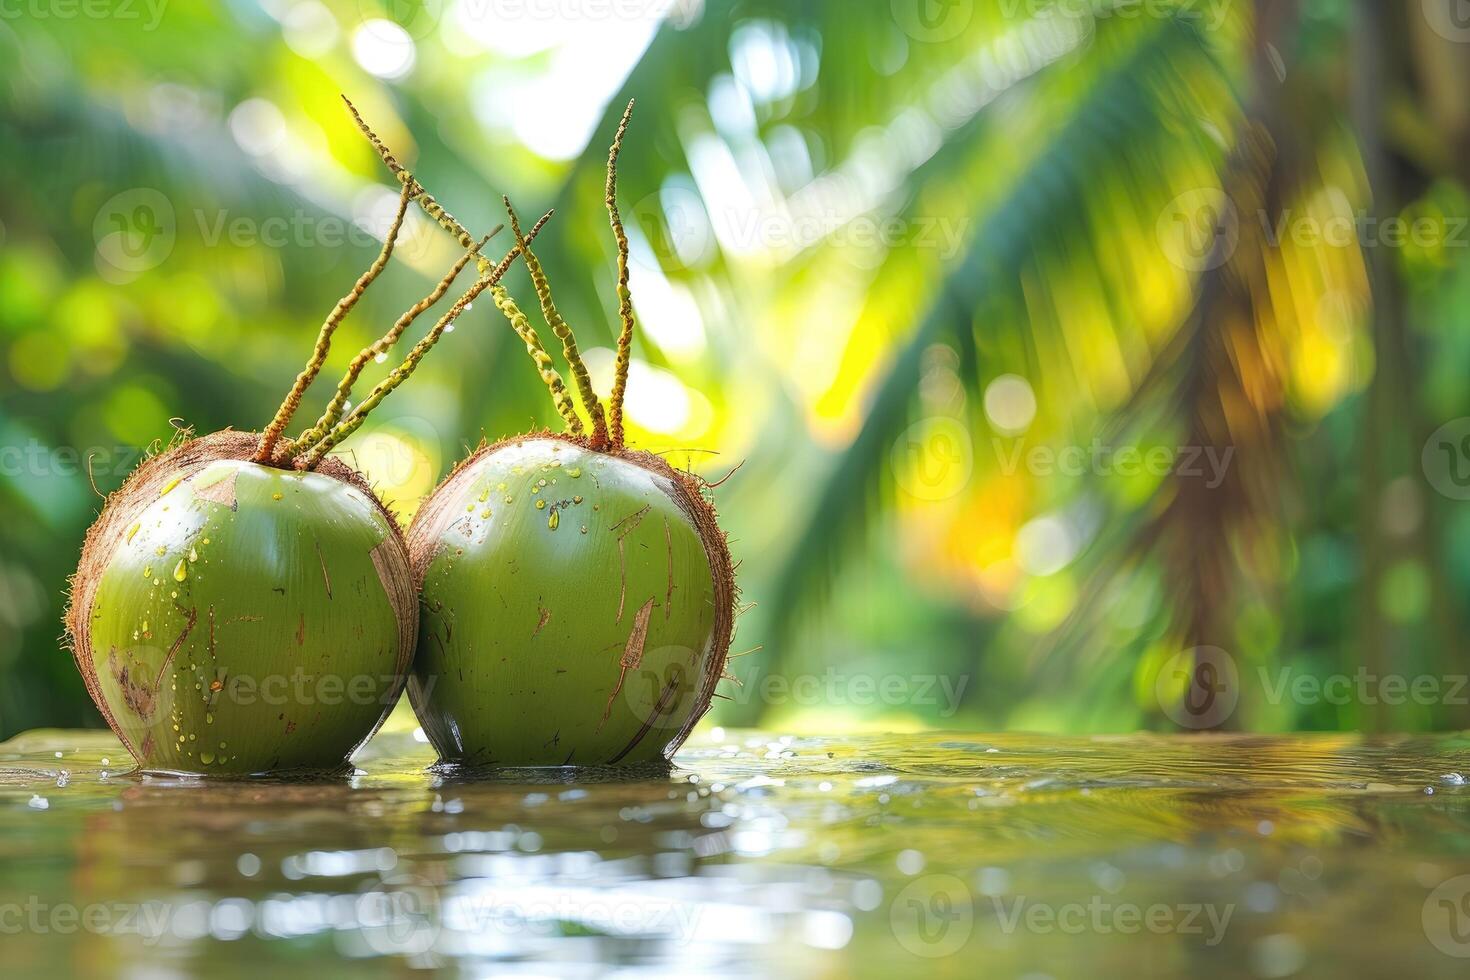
(244, 602)
(578, 595)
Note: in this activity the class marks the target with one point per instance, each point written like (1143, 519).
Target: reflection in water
(1222, 856)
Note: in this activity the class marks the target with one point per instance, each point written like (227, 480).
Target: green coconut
(578, 597)
(233, 617)
(244, 603)
(577, 607)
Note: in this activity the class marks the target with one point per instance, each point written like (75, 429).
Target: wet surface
(934, 854)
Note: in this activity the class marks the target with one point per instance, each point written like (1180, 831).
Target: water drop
(540, 505)
(193, 555)
(147, 571)
(380, 358)
(553, 520)
(276, 496)
(575, 472)
(133, 530)
(181, 570)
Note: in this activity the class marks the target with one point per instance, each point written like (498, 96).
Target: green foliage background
(883, 251)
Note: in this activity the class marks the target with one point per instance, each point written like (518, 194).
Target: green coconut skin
(246, 619)
(574, 612)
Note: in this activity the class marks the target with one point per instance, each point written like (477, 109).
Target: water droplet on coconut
(575, 472)
(540, 505)
(193, 555)
(133, 530)
(206, 757)
(584, 528)
(576, 500)
(553, 521)
(171, 484)
(147, 571)
(276, 496)
(181, 570)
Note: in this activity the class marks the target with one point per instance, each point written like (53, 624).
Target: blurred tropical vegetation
(1050, 351)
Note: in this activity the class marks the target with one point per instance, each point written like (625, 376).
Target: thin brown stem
(277, 427)
(625, 297)
(563, 331)
(401, 373)
(426, 200)
(522, 326)
(377, 348)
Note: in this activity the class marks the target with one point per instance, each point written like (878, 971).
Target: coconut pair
(246, 604)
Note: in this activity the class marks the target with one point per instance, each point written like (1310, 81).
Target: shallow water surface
(761, 854)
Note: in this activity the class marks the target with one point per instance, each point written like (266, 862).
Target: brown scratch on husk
(138, 697)
(541, 624)
(637, 518)
(669, 548)
(221, 492)
(661, 706)
(173, 650)
(301, 630)
(325, 577)
(632, 657)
